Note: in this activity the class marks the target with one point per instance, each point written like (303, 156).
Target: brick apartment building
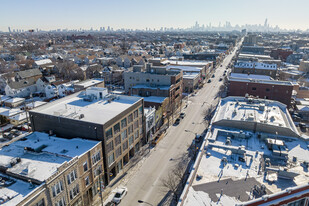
(51, 171)
(269, 89)
(156, 81)
(256, 68)
(116, 120)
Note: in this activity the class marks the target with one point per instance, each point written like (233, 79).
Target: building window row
(71, 176)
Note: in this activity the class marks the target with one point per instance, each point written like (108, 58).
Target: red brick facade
(278, 92)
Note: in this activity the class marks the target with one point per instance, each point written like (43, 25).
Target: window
(267, 89)
(96, 157)
(74, 192)
(71, 177)
(130, 129)
(123, 123)
(124, 135)
(85, 166)
(253, 88)
(125, 145)
(131, 139)
(141, 131)
(57, 188)
(140, 110)
(136, 134)
(135, 114)
(116, 128)
(130, 118)
(147, 80)
(135, 124)
(140, 121)
(111, 159)
(117, 140)
(61, 202)
(300, 202)
(109, 147)
(87, 181)
(97, 171)
(109, 134)
(118, 152)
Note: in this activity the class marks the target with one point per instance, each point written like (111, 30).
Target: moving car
(220, 79)
(121, 192)
(209, 80)
(213, 76)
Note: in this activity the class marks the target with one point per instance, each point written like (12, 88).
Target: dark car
(220, 79)
(182, 115)
(209, 80)
(213, 76)
(177, 121)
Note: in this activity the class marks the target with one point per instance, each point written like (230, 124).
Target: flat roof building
(240, 165)
(260, 86)
(116, 120)
(38, 168)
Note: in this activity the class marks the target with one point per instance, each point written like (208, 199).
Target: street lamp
(141, 201)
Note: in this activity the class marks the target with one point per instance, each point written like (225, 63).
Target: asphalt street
(145, 184)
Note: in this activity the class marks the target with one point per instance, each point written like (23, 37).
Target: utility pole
(101, 189)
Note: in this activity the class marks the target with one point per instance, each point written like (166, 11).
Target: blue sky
(52, 14)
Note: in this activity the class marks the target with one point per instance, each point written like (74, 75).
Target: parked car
(120, 195)
(110, 204)
(182, 115)
(177, 121)
(220, 79)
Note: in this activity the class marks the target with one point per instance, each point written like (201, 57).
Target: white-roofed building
(116, 120)
(242, 165)
(43, 170)
(256, 68)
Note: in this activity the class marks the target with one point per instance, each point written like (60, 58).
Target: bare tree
(207, 113)
(175, 179)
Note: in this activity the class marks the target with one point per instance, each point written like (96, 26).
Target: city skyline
(141, 15)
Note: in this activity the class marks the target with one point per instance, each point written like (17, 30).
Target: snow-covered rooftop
(250, 76)
(139, 86)
(47, 153)
(256, 65)
(154, 99)
(187, 63)
(256, 114)
(96, 111)
(15, 192)
(237, 177)
(89, 82)
(185, 68)
(43, 61)
(262, 80)
(190, 75)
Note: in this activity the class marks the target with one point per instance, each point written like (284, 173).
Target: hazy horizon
(138, 14)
